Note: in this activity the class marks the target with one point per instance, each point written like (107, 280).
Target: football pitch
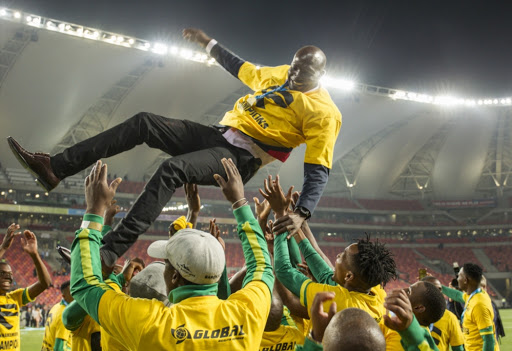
(31, 339)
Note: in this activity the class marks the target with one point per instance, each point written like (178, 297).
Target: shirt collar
(184, 292)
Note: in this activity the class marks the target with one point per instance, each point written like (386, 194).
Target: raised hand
(262, 209)
(192, 195)
(398, 303)
(320, 319)
(215, 231)
(9, 236)
(29, 242)
(132, 267)
(111, 212)
(233, 186)
(195, 35)
(99, 194)
(279, 202)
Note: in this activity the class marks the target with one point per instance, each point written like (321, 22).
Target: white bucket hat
(196, 255)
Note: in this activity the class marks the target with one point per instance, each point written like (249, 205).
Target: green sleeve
(416, 338)
(59, 345)
(454, 294)
(254, 245)
(291, 278)
(119, 279)
(224, 289)
(293, 250)
(321, 270)
(73, 316)
(488, 342)
(309, 345)
(458, 348)
(87, 286)
(105, 230)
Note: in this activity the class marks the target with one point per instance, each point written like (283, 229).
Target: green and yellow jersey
(56, 336)
(446, 332)
(478, 322)
(198, 320)
(87, 337)
(283, 338)
(306, 289)
(10, 304)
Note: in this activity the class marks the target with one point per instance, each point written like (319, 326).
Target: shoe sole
(25, 165)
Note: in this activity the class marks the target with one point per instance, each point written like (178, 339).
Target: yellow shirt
(288, 118)
(109, 343)
(283, 338)
(10, 304)
(373, 303)
(478, 315)
(87, 336)
(195, 323)
(447, 332)
(54, 329)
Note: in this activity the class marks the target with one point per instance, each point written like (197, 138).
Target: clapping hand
(29, 242)
(9, 236)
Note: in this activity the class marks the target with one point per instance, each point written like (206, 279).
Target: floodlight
(3, 12)
(174, 50)
(159, 48)
(480, 102)
(508, 101)
(495, 101)
(186, 53)
(17, 15)
(131, 41)
(29, 18)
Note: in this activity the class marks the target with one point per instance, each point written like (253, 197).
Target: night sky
(460, 47)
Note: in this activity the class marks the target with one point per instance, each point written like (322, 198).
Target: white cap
(196, 255)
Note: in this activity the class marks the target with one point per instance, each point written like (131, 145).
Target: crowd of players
(276, 302)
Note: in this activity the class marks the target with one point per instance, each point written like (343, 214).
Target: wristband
(237, 201)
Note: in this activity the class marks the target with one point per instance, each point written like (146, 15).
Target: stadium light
(3, 12)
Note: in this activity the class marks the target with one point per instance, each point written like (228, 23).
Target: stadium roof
(56, 89)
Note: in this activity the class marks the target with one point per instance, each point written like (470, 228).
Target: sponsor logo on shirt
(255, 115)
(181, 333)
(281, 347)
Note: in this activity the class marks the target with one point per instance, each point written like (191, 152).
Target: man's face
(415, 292)
(343, 264)
(462, 280)
(66, 295)
(5, 278)
(303, 74)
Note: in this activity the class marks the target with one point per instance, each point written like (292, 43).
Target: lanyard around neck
(467, 303)
(281, 88)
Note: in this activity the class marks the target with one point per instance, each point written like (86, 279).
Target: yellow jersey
(371, 303)
(109, 343)
(447, 332)
(202, 322)
(283, 338)
(286, 118)
(10, 304)
(54, 329)
(87, 337)
(478, 321)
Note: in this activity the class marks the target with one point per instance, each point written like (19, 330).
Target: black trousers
(197, 151)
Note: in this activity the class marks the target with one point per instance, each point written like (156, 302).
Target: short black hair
(65, 285)
(429, 279)
(473, 271)
(374, 263)
(434, 303)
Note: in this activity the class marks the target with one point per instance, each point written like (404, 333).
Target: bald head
(353, 329)
(306, 69)
(433, 280)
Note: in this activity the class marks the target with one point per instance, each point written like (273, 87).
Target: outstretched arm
(193, 202)
(29, 242)
(453, 294)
